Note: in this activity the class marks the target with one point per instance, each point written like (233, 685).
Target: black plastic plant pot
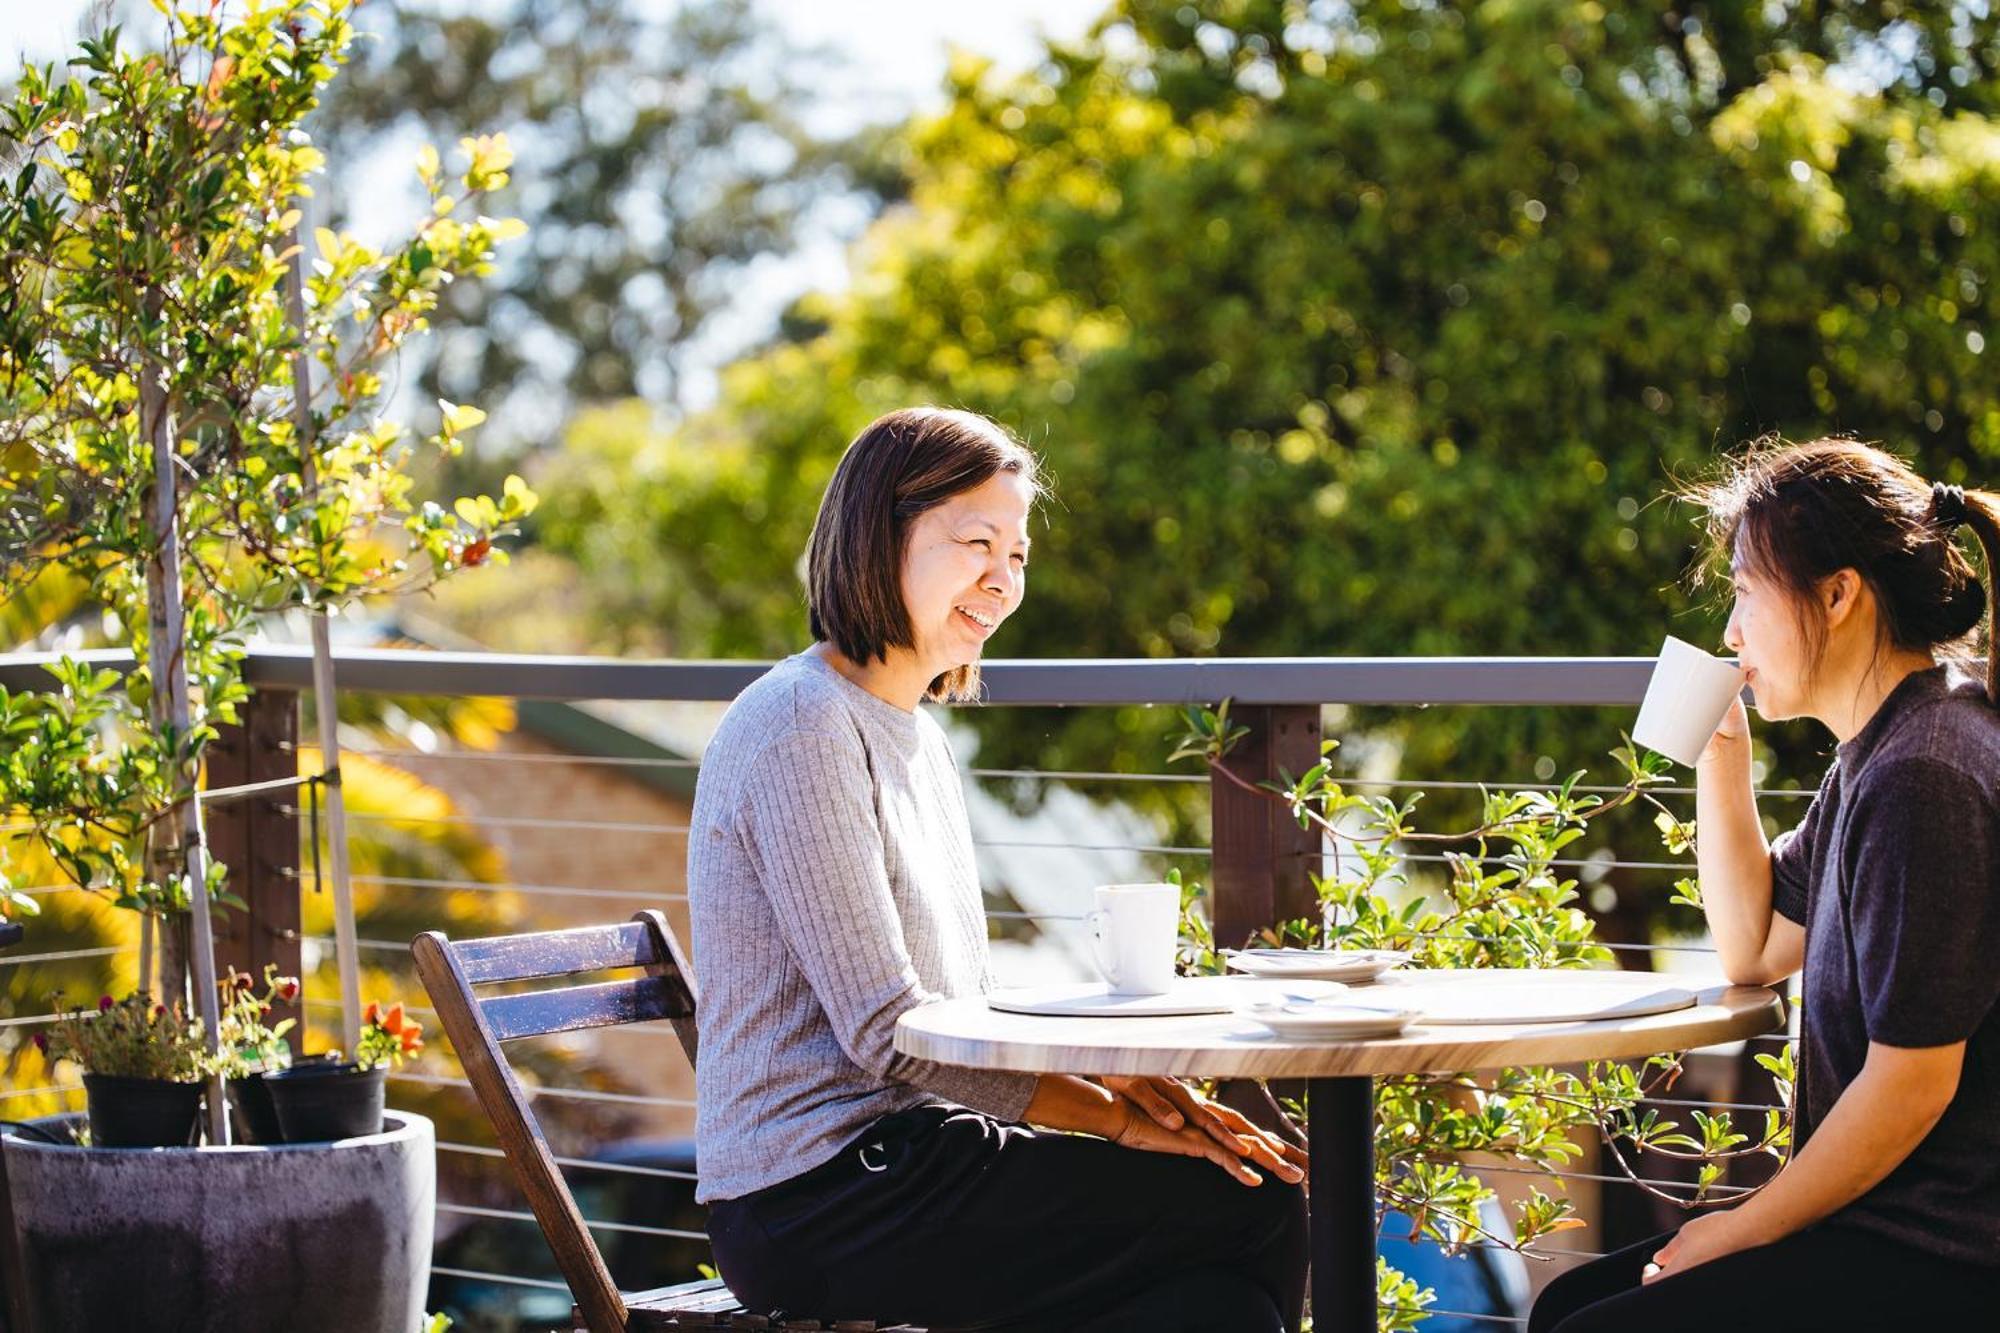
(141, 1112)
(318, 1102)
(256, 1117)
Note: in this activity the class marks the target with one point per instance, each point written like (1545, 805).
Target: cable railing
(541, 902)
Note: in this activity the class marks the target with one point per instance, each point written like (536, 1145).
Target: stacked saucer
(1353, 966)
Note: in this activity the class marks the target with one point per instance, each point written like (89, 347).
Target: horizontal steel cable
(531, 890)
(518, 1215)
(63, 954)
(502, 1278)
(1541, 1253)
(1481, 1168)
(1059, 775)
(551, 1090)
(1454, 1314)
(579, 1163)
(512, 821)
(1725, 1106)
(604, 761)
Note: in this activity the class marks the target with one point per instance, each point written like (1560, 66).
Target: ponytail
(1979, 510)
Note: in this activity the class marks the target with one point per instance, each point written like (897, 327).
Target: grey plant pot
(308, 1238)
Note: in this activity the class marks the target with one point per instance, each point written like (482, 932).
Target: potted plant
(193, 430)
(333, 1098)
(192, 395)
(143, 1067)
(251, 1047)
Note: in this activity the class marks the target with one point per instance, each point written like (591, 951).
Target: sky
(901, 42)
(896, 54)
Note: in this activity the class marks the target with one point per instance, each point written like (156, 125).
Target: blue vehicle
(1482, 1281)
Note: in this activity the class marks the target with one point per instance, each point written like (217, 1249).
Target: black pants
(1825, 1279)
(944, 1217)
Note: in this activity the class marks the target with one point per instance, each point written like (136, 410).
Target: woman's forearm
(1063, 1101)
(1878, 1121)
(1733, 859)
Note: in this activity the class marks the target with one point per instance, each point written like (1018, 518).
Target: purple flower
(104, 1003)
(42, 1042)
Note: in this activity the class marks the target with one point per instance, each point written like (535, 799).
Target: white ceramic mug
(1133, 934)
(1686, 701)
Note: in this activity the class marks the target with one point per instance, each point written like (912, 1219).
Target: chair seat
(710, 1304)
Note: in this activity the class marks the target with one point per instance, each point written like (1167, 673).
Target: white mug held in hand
(1133, 934)
(1686, 701)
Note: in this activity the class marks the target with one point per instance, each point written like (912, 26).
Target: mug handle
(1097, 920)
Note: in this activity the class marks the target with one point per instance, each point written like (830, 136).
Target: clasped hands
(1166, 1115)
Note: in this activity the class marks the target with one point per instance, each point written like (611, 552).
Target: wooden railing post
(257, 839)
(1262, 857)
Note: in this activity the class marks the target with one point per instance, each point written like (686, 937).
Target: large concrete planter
(304, 1238)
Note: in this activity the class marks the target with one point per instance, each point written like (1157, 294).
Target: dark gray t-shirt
(1895, 874)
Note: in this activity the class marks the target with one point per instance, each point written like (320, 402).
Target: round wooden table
(1339, 1076)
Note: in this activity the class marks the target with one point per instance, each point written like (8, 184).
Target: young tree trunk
(187, 945)
(347, 951)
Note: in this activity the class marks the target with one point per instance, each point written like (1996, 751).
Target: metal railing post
(257, 837)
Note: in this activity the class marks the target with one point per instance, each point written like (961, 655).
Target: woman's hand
(1173, 1108)
(1705, 1238)
(1732, 737)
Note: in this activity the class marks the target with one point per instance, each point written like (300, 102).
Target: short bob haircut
(897, 468)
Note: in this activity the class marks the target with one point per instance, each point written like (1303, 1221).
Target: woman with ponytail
(1856, 606)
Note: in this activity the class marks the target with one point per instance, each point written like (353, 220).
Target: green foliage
(663, 151)
(1365, 329)
(130, 1038)
(1503, 904)
(148, 236)
(388, 1037)
(1400, 1301)
(248, 1042)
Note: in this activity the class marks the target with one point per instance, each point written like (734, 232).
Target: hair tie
(1948, 505)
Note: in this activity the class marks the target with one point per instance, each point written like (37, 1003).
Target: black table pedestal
(1340, 1132)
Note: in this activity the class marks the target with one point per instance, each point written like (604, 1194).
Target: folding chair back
(477, 1026)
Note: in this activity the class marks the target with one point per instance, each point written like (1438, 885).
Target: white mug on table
(1686, 700)
(1133, 936)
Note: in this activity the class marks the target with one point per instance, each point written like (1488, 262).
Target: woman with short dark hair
(1852, 598)
(832, 888)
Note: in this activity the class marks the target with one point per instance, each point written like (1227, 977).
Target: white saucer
(1326, 1021)
(1349, 965)
(1190, 995)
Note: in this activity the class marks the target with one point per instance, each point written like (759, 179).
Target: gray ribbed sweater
(832, 887)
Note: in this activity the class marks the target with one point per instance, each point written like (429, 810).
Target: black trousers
(1825, 1279)
(947, 1218)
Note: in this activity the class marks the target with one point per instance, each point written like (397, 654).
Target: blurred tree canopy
(659, 150)
(1363, 329)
